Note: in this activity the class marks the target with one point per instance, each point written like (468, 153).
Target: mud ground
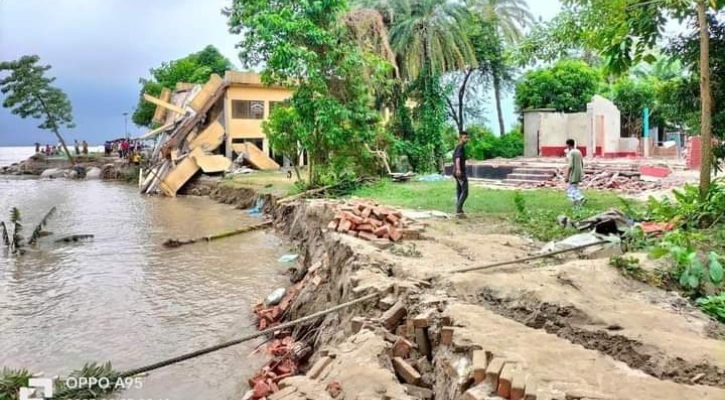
(575, 325)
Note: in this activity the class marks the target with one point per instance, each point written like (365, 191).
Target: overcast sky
(100, 48)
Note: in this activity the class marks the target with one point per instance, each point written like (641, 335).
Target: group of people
(573, 173)
(58, 150)
(129, 149)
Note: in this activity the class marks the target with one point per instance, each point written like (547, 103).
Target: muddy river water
(122, 297)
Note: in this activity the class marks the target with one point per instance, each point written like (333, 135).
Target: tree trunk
(705, 102)
(497, 95)
(62, 142)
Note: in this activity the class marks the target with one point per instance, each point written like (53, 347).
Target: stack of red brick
(612, 180)
(370, 221)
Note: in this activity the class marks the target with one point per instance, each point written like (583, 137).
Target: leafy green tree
(566, 87)
(29, 93)
(305, 44)
(624, 31)
(194, 68)
(285, 132)
(510, 17)
(632, 97)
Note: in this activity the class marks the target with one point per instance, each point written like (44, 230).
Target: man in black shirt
(459, 172)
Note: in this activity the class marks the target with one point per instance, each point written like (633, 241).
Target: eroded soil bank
(562, 329)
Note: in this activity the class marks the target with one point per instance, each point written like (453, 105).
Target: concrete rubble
(190, 138)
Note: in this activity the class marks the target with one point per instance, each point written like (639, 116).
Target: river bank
(95, 166)
(568, 329)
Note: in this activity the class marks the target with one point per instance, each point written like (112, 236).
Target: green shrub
(714, 306)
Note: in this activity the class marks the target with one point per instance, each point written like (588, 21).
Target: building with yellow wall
(247, 103)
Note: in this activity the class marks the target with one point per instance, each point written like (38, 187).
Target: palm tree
(510, 18)
(426, 33)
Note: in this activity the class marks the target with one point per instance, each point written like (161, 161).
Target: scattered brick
(447, 336)
(402, 348)
(421, 338)
(334, 389)
(366, 228)
(392, 317)
(418, 392)
(479, 366)
(357, 324)
(504, 380)
(421, 320)
(318, 367)
(386, 224)
(531, 388)
(387, 302)
(406, 371)
(494, 370)
(395, 235)
(478, 392)
(518, 385)
(333, 225)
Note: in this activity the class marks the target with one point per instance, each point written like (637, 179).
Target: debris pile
(377, 224)
(288, 354)
(191, 135)
(629, 183)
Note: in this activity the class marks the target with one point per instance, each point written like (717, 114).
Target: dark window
(247, 109)
(257, 142)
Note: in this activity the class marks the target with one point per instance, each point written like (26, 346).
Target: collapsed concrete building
(598, 133)
(207, 127)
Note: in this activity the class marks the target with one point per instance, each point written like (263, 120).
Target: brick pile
(611, 180)
(372, 222)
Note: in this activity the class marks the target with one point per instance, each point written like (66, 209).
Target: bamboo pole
(179, 242)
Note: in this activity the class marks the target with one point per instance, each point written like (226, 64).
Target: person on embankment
(459, 172)
(573, 173)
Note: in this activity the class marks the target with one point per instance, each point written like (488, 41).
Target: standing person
(47, 150)
(37, 147)
(124, 148)
(573, 173)
(77, 148)
(85, 148)
(459, 172)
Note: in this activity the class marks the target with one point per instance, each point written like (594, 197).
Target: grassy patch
(538, 219)
(265, 182)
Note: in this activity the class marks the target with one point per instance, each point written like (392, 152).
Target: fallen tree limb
(536, 257)
(179, 242)
(303, 194)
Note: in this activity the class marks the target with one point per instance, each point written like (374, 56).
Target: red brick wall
(558, 151)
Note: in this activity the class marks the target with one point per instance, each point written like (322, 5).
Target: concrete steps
(530, 175)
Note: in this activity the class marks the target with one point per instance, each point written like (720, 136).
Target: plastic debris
(432, 178)
(275, 297)
(288, 258)
(581, 239)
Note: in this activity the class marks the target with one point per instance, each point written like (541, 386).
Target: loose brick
(345, 226)
(531, 388)
(387, 302)
(318, 367)
(366, 228)
(418, 392)
(479, 366)
(447, 336)
(494, 370)
(406, 371)
(366, 212)
(392, 317)
(392, 219)
(421, 338)
(518, 385)
(332, 225)
(395, 235)
(421, 320)
(402, 347)
(357, 324)
(446, 320)
(504, 380)
(382, 243)
(478, 392)
(374, 222)
(379, 232)
(367, 236)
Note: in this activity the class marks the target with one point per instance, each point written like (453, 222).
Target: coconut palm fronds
(11, 380)
(37, 232)
(92, 370)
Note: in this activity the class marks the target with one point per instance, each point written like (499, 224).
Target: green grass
(440, 196)
(264, 182)
(541, 207)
